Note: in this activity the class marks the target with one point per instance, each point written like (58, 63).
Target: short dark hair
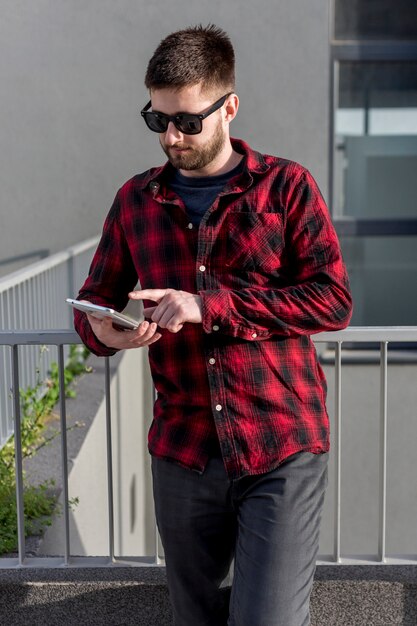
(194, 55)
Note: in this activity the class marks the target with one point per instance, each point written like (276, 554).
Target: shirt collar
(255, 164)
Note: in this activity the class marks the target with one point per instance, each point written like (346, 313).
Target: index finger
(148, 294)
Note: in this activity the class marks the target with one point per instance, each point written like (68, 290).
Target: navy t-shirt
(199, 193)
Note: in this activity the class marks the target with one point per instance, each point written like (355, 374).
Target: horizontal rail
(39, 337)
(354, 50)
(357, 334)
(346, 227)
(369, 334)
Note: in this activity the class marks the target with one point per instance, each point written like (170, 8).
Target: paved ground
(342, 596)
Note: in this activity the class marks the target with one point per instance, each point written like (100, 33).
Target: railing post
(109, 460)
(18, 455)
(383, 452)
(70, 285)
(158, 559)
(338, 445)
(64, 452)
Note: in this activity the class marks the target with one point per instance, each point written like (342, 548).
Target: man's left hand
(174, 307)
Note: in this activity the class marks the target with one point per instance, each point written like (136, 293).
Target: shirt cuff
(217, 314)
(88, 337)
(215, 310)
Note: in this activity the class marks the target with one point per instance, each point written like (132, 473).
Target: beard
(196, 157)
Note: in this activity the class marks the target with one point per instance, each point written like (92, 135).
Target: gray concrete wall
(71, 76)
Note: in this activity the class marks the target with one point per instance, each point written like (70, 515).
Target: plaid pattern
(268, 267)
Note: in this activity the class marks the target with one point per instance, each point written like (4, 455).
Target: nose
(172, 134)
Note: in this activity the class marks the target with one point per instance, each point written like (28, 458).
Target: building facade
(330, 83)
(373, 154)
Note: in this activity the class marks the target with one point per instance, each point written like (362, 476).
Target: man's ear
(231, 107)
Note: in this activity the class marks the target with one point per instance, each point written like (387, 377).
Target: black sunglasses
(187, 123)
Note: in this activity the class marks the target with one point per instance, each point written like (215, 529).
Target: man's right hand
(144, 335)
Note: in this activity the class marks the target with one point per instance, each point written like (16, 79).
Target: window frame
(362, 51)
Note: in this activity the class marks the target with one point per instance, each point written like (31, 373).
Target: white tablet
(102, 311)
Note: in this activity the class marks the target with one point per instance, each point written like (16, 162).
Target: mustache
(179, 146)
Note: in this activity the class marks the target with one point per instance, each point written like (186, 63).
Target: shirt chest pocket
(253, 241)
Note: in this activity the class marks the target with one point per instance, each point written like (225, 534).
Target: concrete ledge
(115, 596)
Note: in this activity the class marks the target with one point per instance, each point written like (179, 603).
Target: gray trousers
(269, 524)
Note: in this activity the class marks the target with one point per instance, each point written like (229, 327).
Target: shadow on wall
(13, 263)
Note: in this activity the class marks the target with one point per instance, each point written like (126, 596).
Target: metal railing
(60, 338)
(34, 298)
(366, 335)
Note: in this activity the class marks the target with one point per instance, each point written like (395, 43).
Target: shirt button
(212, 361)
(254, 335)
(218, 407)
(190, 226)
(215, 327)
(202, 268)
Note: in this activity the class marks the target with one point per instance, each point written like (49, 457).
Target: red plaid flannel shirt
(267, 264)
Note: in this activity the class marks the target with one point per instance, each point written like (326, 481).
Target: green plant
(37, 403)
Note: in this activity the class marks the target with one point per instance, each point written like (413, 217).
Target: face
(185, 156)
(194, 154)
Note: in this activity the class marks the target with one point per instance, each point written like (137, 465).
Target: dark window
(376, 19)
(378, 85)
